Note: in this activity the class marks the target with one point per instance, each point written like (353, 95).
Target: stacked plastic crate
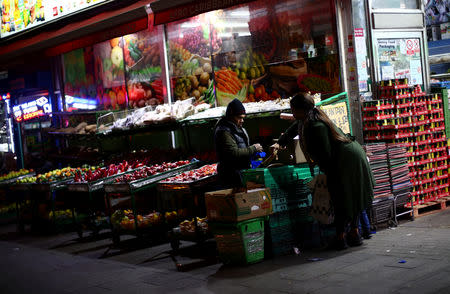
(291, 200)
(378, 160)
(405, 114)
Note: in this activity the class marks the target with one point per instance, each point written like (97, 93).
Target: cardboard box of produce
(231, 205)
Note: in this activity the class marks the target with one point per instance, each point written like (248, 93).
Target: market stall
(132, 203)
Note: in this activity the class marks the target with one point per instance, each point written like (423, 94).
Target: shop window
(275, 49)
(80, 88)
(395, 4)
(143, 62)
(190, 43)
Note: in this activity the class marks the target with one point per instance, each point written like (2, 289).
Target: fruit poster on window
(191, 72)
(109, 69)
(142, 56)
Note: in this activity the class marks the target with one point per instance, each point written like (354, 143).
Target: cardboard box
(231, 206)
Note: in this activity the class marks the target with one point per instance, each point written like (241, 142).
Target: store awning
(81, 33)
(168, 11)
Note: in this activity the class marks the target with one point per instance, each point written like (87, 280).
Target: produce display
(124, 219)
(60, 214)
(8, 208)
(250, 107)
(193, 175)
(27, 180)
(148, 171)
(187, 227)
(15, 174)
(98, 173)
(56, 175)
(80, 129)
(161, 114)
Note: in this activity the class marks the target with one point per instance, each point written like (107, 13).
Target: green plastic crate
(241, 242)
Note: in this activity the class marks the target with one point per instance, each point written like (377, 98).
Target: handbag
(322, 206)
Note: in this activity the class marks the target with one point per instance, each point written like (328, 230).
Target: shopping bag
(322, 206)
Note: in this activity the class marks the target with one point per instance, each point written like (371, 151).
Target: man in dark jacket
(233, 145)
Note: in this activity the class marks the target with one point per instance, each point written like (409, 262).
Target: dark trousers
(341, 222)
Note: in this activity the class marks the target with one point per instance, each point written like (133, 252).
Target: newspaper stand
(189, 198)
(140, 196)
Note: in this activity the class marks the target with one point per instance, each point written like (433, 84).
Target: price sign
(338, 114)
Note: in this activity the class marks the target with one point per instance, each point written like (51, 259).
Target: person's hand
(274, 147)
(258, 147)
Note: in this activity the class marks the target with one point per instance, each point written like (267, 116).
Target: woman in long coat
(350, 179)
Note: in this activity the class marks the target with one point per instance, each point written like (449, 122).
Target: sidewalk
(29, 265)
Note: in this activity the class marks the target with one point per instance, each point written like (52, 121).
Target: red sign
(31, 115)
(359, 32)
(192, 9)
(328, 40)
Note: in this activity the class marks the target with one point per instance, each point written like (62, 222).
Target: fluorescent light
(240, 13)
(190, 25)
(232, 25)
(245, 34)
(224, 35)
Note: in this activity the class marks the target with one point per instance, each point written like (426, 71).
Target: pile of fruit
(15, 174)
(8, 208)
(193, 83)
(227, 81)
(170, 216)
(61, 214)
(26, 180)
(148, 171)
(188, 227)
(143, 94)
(260, 94)
(193, 175)
(251, 65)
(124, 219)
(193, 40)
(56, 175)
(98, 173)
(81, 128)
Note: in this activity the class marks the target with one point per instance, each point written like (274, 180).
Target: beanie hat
(235, 107)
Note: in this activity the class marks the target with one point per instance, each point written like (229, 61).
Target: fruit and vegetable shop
(108, 113)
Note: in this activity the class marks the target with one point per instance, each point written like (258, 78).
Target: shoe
(340, 244)
(366, 235)
(354, 240)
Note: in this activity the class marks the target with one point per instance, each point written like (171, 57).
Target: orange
(114, 42)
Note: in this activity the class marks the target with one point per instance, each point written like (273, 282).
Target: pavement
(413, 257)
